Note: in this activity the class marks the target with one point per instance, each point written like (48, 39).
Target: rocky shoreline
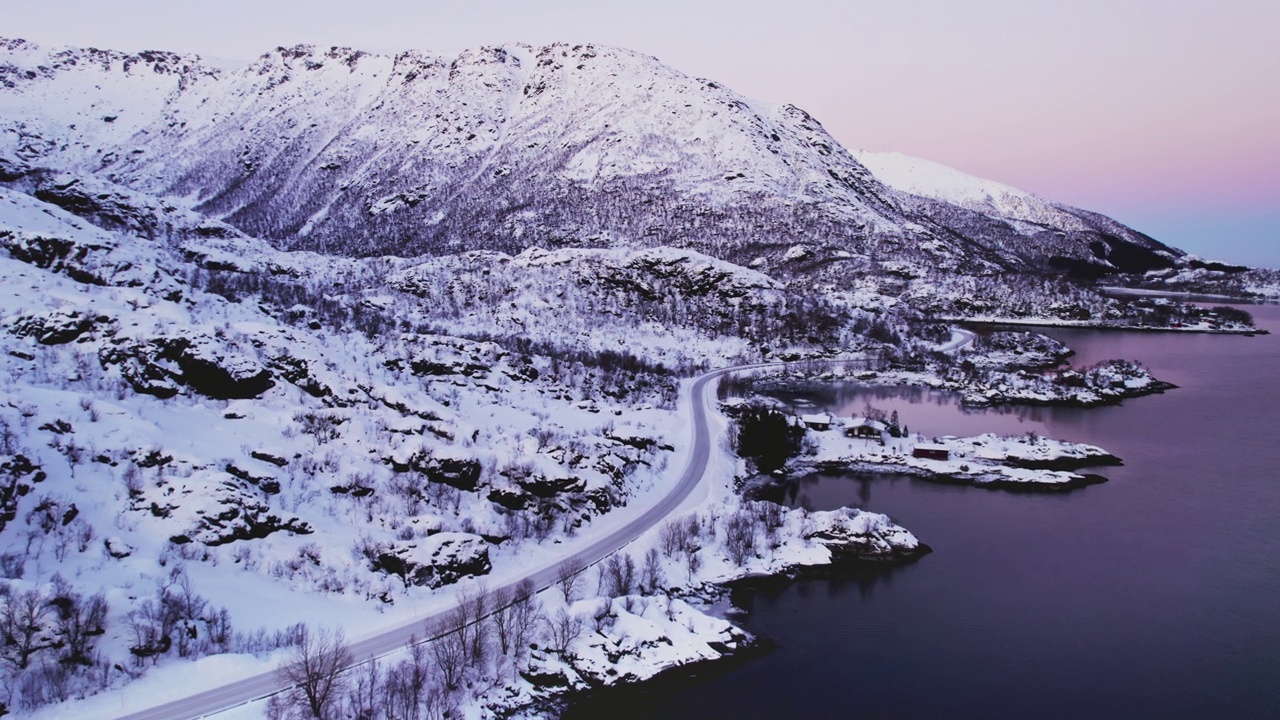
(854, 541)
(683, 628)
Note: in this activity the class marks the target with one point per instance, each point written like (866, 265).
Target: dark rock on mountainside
(504, 148)
(161, 366)
(440, 559)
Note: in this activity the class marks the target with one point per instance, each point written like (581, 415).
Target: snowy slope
(939, 182)
(498, 148)
(1025, 214)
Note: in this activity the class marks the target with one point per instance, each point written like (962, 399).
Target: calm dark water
(1154, 595)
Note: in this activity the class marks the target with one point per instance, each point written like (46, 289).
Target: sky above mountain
(1160, 113)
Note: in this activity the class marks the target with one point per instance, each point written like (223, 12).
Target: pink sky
(1162, 113)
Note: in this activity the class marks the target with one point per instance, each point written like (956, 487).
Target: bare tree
(315, 671)
(569, 578)
(363, 698)
(617, 575)
(187, 606)
(651, 578)
(449, 650)
(565, 628)
(148, 638)
(526, 616)
(22, 622)
(503, 601)
(740, 536)
(477, 633)
(673, 537)
(603, 616)
(78, 621)
(692, 560)
(407, 687)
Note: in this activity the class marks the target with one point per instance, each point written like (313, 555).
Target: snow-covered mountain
(512, 147)
(983, 208)
(208, 426)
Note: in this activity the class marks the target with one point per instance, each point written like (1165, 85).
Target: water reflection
(1154, 595)
(926, 411)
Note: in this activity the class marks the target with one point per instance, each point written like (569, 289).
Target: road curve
(959, 339)
(216, 700)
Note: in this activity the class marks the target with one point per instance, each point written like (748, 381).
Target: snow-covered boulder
(56, 327)
(864, 535)
(437, 560)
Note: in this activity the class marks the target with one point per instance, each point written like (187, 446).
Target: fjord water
(1156, 594)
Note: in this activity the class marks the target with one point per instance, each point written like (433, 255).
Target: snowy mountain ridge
(505, 148)
(917, 176)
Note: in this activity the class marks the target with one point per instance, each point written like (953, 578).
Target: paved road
(959, 338)
(211, 702)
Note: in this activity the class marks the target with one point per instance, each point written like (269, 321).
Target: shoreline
(755, 646)
(1091, 325)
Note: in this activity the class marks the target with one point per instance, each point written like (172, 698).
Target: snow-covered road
(698, 399)
(959, 339)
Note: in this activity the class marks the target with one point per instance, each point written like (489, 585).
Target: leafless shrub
(565, 628)
(740, 536)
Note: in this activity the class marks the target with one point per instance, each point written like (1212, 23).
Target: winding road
(216, 700)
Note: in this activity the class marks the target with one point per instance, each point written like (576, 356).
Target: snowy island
(1024, 462)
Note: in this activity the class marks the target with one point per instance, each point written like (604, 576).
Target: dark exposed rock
(139, 365)
(354, 489)
(246, 525)
(438, 560)
(856, 535)
(160, 366)
(422, 366)
(296, 372)
(153, 458)
(11, 170)
(462, 473)
(17, 473)
(57, 427)
(54, 328)
(268, 458)
(228, 512)
(247, 476)
(545, 487)
(110, 210)
(214, 372)
(638, 442)
(46, 253)
(508, 499)
(117, 548)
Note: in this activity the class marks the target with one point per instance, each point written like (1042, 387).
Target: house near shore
(928, 451)
(866, 428)
(820, 421)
